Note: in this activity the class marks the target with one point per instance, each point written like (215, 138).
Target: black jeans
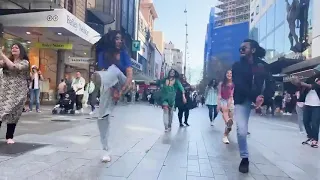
(92, 101)
(180, 114)
(311, 121)
(79, 101)
(10, 130)
(213, 113)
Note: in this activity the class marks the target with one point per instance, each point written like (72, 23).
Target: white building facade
(173, 58)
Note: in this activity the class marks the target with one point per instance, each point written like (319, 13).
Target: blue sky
(172, 22)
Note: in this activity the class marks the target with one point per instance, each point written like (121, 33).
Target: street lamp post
(186, 44)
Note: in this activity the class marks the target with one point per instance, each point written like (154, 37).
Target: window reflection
(270, 19)
(279, 40)
(270, 46)
(287, 44)
(280, 12)
(263, 27)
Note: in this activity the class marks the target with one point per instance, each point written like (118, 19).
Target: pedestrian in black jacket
(183, 108)
(250, 77)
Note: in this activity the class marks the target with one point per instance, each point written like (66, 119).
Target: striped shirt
(211, 96)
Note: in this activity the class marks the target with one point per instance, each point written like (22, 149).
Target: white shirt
(35, 81)
(312, 99)
(78, 84)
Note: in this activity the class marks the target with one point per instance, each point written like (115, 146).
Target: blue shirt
(123, 64)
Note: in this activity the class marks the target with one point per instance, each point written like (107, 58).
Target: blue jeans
(34, 95)
(241, 117)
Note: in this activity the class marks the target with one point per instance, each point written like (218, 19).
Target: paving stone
(271, 170)
(218, 171)
(220, 177)
(193, 174)
(193, 168)
(206, 173)
(172, 173)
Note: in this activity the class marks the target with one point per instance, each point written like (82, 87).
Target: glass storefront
(272, 30)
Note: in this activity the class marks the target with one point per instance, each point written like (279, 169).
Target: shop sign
(65, 46)
(136, 45)
(136, 65)
(77, 25)
(303, 75)
(80, 60)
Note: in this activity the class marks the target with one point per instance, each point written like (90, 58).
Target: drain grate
(17, 148)
(60, 120)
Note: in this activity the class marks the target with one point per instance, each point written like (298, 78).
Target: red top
(227, 91)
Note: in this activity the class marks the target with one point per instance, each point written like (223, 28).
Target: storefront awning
(304, 65)
(58, 21)
(104, 17)
(277, 66)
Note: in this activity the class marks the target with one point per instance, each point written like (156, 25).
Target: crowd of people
(245, 87)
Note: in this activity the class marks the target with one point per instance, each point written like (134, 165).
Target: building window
(69, 5)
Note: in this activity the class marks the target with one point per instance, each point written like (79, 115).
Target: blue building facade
(222, 47)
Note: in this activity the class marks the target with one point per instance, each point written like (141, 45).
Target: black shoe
(186, 123)
(244, 165)
(181, 125)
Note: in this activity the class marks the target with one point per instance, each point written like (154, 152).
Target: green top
(168, 93)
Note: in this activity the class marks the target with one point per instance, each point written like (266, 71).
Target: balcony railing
(30, 4)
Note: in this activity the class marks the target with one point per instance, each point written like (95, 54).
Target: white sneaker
(212, 123)
(81, 110)
(106, 158)
(225, 140)
(91, 113)
(76, 112)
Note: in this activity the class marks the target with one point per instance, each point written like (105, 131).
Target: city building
(270, 27)
(289, 31)
(149, 55)
(232, 11)
(55, 35)
(173, 58)
(222, 46)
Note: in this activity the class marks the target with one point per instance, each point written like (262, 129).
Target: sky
(171, 20)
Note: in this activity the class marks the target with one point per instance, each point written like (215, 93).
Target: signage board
(303, 75)
(79, 60)
(65, 46)
(136, 65)
(136, 45)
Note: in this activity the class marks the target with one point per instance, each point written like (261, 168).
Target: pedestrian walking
(225, 103)
(183, 108)
(78, 86)
(169, 87)
(36, 77)
(211, 100)
(113, 79)
(311, 111)
(91, 99)
(13, 87)
(249, 76)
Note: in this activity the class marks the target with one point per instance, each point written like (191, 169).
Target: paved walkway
(141, 151)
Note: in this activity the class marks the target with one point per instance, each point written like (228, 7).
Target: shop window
(280, 12)
(270, 19)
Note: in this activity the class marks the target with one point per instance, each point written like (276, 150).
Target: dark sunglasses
(242, 49)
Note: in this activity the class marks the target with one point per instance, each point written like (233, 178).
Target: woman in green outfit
(169, 87)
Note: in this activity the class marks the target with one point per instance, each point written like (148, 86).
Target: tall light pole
(186, 43)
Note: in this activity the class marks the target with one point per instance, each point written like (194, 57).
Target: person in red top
(225, 103)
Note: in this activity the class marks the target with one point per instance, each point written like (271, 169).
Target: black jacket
(179, 102)
(250, 80)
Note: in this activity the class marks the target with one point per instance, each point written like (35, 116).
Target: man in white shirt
(78, 86)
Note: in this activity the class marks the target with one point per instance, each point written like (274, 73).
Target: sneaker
(81, 110)
(10, 141)
(186, 123)
(225, 140)
(212, 123)
(106, 158)
(181, 125)
(91, 113)
(244, 165)
(314, 144)
(76, 112)
(308, 141)
(169, 129)
(38, 111)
